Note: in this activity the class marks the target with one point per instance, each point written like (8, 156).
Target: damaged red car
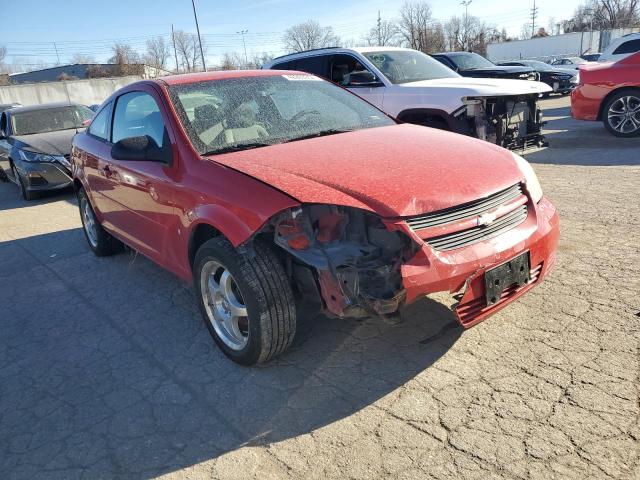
(266, 188)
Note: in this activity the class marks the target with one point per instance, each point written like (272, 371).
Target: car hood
(395, 171)
(51, 143)
(482, 87)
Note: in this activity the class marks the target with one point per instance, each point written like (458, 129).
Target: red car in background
(610, 92)
(265, 187)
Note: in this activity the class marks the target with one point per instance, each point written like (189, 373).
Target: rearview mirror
(363, 79)
(142, 148)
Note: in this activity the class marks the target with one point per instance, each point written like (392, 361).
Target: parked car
(569, 62)
(35, 143)
(414, 88)
(3, 142)
(610, 92)
(591, 57)
(621, 47)
(273, 187)
(470, 64)
(559, 79)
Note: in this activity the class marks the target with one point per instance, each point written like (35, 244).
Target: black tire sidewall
(232, 261)
(605, 114)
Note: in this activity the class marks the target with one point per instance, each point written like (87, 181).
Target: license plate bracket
(516, 271)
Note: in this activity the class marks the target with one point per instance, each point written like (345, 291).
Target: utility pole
(379, 30)
(244, 44)
(465, 4)
(534, 14)
(175, 52)
(195, 15)
(55, 47)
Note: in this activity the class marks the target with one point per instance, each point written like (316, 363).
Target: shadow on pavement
(10, 197)
(575, 142)
(106, 368)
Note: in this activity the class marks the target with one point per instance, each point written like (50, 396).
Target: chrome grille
(468, 210)
(478, 234)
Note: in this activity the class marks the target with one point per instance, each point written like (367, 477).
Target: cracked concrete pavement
(107, 371)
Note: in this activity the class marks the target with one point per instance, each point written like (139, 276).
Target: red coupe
(610, 92)
(267, 187)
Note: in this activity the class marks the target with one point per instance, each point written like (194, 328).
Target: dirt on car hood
(482, 87)
(395, 171)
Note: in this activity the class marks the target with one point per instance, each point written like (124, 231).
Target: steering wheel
(304, 113)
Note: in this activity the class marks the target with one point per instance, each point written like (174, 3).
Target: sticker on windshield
(300, 77)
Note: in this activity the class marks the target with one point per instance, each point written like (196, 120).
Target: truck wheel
(100, 242)
(246, 300)
(621, 115)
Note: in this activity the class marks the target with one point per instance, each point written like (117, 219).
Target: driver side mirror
(363, 79)
(142, 148)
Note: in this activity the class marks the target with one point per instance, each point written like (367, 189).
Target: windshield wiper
(237, 148)
(321, 133)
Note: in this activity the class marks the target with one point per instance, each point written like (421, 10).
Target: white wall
(557, 45)
(87, 92)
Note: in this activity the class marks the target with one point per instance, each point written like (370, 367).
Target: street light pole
(195, 15)
(465, 4)
(244, 44)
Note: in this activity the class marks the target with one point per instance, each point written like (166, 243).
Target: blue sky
(29, 27)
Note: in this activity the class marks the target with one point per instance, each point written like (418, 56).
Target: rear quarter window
(632, 46)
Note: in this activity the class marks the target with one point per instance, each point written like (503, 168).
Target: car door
(341, 66)
(4, 144)
(141, 197)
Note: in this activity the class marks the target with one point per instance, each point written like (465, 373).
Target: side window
(342, 66)
(632, 46)
(3, 125)
(316, 65)
(100, 124)
(137, 114)
(285, 66)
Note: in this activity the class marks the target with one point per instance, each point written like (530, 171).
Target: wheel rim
(225, 307)
(89, 222)
(624, 114)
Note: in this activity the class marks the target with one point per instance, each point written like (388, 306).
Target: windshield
(50, 119)
(470, 61)
(240, 113)
(408, 66)
(536, 64)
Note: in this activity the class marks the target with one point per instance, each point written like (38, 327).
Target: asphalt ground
(107, 370)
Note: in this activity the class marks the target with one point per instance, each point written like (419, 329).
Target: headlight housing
(530, 178)
(29, 156)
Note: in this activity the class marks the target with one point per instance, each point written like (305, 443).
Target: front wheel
(622, 114)
(246, 300)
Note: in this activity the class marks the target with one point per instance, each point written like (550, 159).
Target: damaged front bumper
(513, 122)
(461, 271)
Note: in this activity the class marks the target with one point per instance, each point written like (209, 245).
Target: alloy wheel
(624, 114)
(224, 305)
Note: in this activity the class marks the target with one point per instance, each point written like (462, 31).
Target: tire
(100, 242)
(26, 194)
(621, 114)
(245, 299)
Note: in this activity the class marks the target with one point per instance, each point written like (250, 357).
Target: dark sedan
(473, 65)
(561, 80)
(35, 144)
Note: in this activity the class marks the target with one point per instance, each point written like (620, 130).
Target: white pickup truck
(415, 88)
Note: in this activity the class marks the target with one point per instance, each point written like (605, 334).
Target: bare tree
(385, 34)
(418, 29)
(604, 15)
(82, 58)
(309, 35)
(126, 60)
(188, 50)
(158, 52)
(3, 54)
(470, 34)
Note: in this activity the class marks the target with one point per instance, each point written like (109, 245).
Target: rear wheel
(100, 242)
(245, 299)
(621, 115)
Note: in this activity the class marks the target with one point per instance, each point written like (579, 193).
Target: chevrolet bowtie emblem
(486, 219)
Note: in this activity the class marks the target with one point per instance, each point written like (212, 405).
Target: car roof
(42, 106)
(188, 78)
(454, 54)
(335, 50)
